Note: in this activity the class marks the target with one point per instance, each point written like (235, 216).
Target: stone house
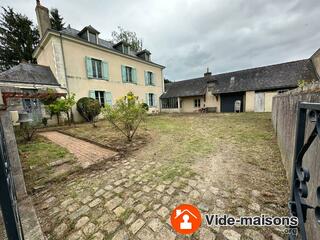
(254, 88)
(89, 66)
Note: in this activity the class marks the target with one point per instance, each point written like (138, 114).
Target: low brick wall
(284, 117)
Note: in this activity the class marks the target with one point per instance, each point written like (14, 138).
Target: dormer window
(90, 34)
(144, 54)
(122, 47)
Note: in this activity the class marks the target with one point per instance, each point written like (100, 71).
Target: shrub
(61, 105)
(44, 121)
(145, 106)
(89, 109)
(126, 115)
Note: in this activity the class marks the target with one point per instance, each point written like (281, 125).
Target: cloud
(187, 36)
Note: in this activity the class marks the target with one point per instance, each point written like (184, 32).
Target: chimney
(207, 74)
(43, 18)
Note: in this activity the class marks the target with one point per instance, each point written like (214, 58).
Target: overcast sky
(187, 36)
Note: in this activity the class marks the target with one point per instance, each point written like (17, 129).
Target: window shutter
(147, 98)
(92, 94)
(89, 67)
(153, 79)
(105, 70)
(155, 100)
(123, 73)
(108, 98)
(134, 76)
(146, 78)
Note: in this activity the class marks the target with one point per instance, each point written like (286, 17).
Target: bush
(126, 115)
(45, 121)
(89, 109)
(145, 106)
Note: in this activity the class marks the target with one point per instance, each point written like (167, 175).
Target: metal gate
(301, 175)
(8, 200)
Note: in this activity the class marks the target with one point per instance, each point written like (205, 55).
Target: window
(99, 95)
(151, 99)
(169, 103)
(129, 74)
(125, 49)
(197, 103)
(92, 37)
(149, 78)
(96, 68)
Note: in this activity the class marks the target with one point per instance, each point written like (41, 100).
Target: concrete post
(179, 104)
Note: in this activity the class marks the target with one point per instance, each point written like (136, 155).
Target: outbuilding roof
(278, 76)
(29, 74)
(192, 87)
(272, 77)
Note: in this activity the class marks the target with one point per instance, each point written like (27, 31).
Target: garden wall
(284, 117)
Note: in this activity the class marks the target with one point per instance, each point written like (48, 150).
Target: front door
(259, 102)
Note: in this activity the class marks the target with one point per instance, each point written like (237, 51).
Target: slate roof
(29, 74)
(104, 43)
(278, 76)
(272, 77)
(192, 87)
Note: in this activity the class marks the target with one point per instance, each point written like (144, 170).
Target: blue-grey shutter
(146, 78)
(123, 73)
(155, 100)
(147, 98)
(108, 98)
(89, 67)
(134, 76)
(105, 71)
(153, 79)
(92, 94)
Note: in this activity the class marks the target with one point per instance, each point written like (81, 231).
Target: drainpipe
(65, 73)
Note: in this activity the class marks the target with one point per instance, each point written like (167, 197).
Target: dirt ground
(222, 163)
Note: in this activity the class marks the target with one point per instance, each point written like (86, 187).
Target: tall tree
(56, 19)
(127, 36)
(18, 38)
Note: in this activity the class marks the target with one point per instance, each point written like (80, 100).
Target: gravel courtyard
(222, 163)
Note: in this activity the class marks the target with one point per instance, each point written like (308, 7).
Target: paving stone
(81, 211)
(99, 193)
(130, 219)
(214, 190)
(194, 194)
(176, 184)
(108, 195)
(275, 237)
(61, 230)
(254, 235)
(220, 204)
(165, 200)
(160, 188)
(137, 194)
(118, 190)
(67, 202)
(140, 208)
(156, 206)
(155, 224)
(193, 183)
(187, 189)
(129, 202)
(108, 187)
(206, 234)
(145, 234)
(81, 222)
(203, 207)
(149, 214)
(119, 211)
(117, 183)
(98, 236)
(76, 236)
(165, 233)
(146, 189)
(86, 199)
(121, 235)
(135, 227)
(163, 212)
(72, 207)
(231, 235)
(255, 193)
(208, 196)
(113, 203)
(254, 207)
(89, 229)
(111, 227)
(105, 218)
(170, 190)
(95, 202)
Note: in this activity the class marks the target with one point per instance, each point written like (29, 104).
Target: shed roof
(29, 74)
(192, 87)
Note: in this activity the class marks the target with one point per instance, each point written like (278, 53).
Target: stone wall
(284, 117)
